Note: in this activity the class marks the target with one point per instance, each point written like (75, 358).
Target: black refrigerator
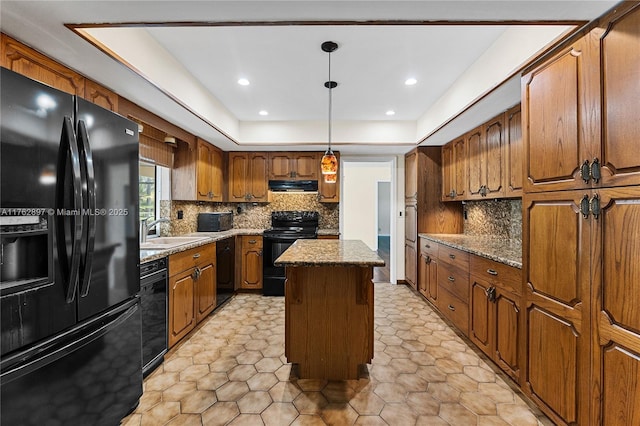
(70, 350)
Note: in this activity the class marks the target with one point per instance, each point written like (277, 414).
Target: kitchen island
(329, 307)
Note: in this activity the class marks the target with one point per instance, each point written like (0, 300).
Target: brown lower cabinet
(192, 289)
(482, 298)
(249, 253)
(495, 321)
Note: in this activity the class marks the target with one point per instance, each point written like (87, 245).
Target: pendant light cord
(330, 100)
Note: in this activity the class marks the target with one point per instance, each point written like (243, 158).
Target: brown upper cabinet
(198, 172)
(486, 162)
(513, 155)
(33, 64)
(581, 110)
(293, 165)
(454, 170)
(485, 153)
(248, 176)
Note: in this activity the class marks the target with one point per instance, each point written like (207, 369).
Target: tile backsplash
(252, 216)
(501, 218)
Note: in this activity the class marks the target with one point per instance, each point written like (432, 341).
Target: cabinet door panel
(482, 316)
(619, 226)
(554, 365)
(204, 172)
(410, 264)
(205, 292)
(551, 96)
(306, 165)
(251, 263)
(492, 166)
(513, 141)
(621, 387)
(411, 175)
(475, 160)
(280, 166)
(181, 314)
(447, 172)
(259, 176)
(558, 238)
(507, 331)
(28, 62)
(217, 175)
(620, 59)
(461, 171)
(99, 95)
(238, 170)
(411, 223)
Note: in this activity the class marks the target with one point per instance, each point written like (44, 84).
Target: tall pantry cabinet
(581, 221)
(424, 212)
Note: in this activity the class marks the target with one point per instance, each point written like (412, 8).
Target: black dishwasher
(153, 296)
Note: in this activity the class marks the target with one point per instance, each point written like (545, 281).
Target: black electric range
(286, 228)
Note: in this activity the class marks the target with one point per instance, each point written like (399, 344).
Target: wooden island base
(329, 320)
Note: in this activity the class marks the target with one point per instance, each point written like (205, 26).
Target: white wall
(359, 199)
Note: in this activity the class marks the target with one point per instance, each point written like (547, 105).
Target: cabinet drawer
(456, 281)
(454, 309)
(453, 257)
(498, 274)
(251, 241)
(429, 248)
(187, 259)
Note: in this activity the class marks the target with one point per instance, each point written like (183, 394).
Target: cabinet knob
(450, 278)
(451, 307)
(452, 256)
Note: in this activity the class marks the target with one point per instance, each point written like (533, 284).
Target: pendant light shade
(331, 178)
(329, 162)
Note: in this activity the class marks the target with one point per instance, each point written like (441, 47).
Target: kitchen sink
(164, 243)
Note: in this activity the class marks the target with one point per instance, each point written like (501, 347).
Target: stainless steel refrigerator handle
(90, 232)
(69, 144)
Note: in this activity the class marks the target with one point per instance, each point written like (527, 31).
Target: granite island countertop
(501, 250)
(329, 253)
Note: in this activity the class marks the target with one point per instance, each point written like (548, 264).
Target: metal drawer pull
(197, 255)
(450, 278)
(452, 256)
(427, 246)
(492, 272)
(252, 241)
(451, 308)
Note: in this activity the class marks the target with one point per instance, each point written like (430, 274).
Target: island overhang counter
(329, 307)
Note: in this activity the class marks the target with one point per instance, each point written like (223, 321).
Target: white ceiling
(191, 72)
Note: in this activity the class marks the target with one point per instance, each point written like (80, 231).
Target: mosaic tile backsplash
(499, 218)
(251, 216)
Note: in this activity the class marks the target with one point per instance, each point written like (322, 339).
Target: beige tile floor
(232, 370)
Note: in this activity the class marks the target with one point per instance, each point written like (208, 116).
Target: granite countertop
(328, 232)
(329, 253)
(210, 237)
(501, 250)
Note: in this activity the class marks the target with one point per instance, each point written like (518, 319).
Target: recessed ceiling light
(263, 112)
(243, 82)
(410, 81)
(391, 112)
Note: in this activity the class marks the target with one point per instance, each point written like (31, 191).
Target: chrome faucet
(146, 227)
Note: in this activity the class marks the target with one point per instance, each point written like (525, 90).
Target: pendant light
(329, 163)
